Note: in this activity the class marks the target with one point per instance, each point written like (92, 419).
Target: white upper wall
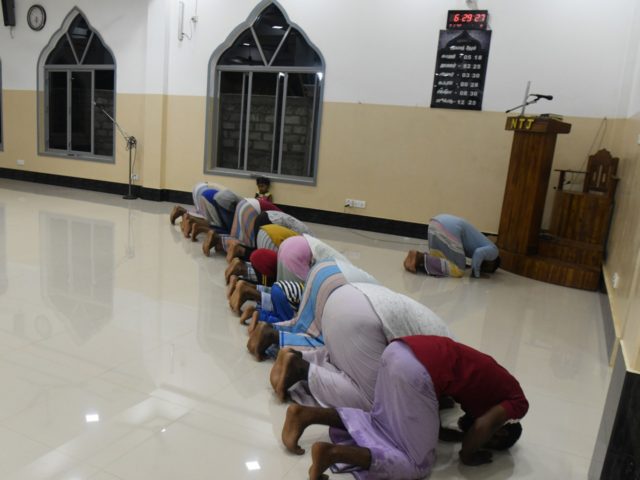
(375, 52)
(631, 87)
(121, 23)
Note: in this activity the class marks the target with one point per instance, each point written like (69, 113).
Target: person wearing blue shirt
(451, 241)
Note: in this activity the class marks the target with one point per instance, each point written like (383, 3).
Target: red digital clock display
(467, 19)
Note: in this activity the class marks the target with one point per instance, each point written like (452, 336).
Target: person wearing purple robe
(396, 440)
(398, 437)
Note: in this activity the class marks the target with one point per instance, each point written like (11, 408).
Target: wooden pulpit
(572, 251)
(534, 142)
(524, 249)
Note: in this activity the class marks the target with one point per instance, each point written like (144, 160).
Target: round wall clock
(36, 17)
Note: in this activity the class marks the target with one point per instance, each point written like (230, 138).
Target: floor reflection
(77, 271)
(106, 308)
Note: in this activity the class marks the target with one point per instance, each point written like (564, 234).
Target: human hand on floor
(479, 457)
(450, 435)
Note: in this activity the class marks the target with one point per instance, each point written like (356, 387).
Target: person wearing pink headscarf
(294, 259)
(292, 265)
(296, 256)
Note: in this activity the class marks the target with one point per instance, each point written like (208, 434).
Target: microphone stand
(530, 102)
(132, 143)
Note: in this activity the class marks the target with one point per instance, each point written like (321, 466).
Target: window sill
(227, 172)
(88, 157)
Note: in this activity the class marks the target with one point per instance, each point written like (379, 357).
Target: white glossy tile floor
(120, 360)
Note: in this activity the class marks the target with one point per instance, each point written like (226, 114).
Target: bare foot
(254, 322)
(247, 313)
(235, 267)
(321, 458)
(177, 211)
(284, 373)
(209, 242)
(411, 262)
(262, 338)
(234, 250)
(197, 229)
(244, 291)
(186, 224)
(293, 428)
(235, 299)
(233, 281)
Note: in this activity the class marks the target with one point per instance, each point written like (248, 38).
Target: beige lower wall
(20, 140)
(407, 163)
(624, 246)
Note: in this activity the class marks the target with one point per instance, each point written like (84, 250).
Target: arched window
(78, 72)
(265, 99)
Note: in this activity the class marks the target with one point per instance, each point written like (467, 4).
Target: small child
(263, 189)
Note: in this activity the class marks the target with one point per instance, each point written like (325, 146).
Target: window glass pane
(97, 53)
(231, 118)
(79, 32)
(103, 126)
(262, 120)
(73, 122)
(267, 126)
(81, 111)
(296, 52)
(57, 97)
(270, 29)
(62, 54)
(297, 139)
(243, 52)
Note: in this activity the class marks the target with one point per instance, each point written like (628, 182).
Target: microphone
(538, 96)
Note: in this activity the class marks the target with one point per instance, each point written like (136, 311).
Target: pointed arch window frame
(43, 90)
(213, 121)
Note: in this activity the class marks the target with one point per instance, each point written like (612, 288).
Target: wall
(624, 239)
(376, 92)
(624, 247)
(380, 142)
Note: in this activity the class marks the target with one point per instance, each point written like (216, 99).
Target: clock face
(467, 19)
(36, 17)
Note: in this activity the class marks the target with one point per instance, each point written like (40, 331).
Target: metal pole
(526, 96)
(131, 144)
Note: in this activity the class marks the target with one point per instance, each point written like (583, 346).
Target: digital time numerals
(467, 19)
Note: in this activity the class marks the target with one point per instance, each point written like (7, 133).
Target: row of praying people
(372, 364)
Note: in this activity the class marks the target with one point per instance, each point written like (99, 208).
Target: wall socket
(134, 176)
(615, 280)
(350, 202)
(19, 162)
